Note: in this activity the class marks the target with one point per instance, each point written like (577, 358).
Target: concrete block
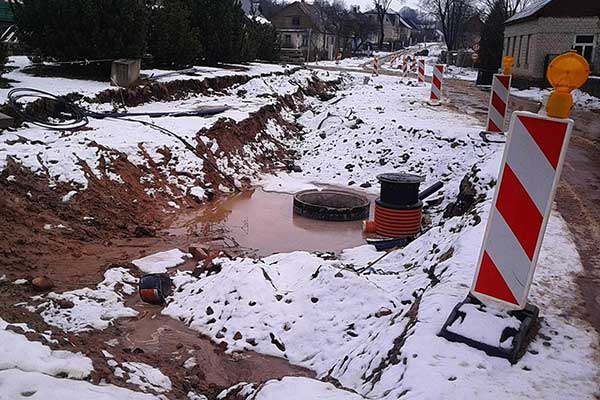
(125, 72)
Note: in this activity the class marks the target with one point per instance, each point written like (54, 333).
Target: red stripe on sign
(490, 282)
(519, 211)
(498, 104)
(492, 127)
(433, 96)
(504, 80)
(549, 136)
(440, 68)
(436, 82)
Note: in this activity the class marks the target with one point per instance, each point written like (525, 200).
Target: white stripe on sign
(508, 255)
(526, 157)
(499, 88)
(496, 117)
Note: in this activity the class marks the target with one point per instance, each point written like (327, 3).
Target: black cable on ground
(61, 114)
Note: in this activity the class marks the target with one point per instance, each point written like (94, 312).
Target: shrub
(262, 41)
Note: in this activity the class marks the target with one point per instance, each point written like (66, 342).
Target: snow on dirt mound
(29, 368)
(289, 388)
(165, 162)
(17, 352)
(290, 305)
(16, 384)
(159, 262)
(86, 309)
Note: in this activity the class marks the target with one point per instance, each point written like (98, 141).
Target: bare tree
(452, 16)
(381, 8)
(509, 7)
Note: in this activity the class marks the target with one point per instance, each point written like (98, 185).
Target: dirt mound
(175, 90)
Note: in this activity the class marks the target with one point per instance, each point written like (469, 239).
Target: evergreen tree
(221, 28)
(261, 41)
(492, 38)
(173, 41)
(66, 30)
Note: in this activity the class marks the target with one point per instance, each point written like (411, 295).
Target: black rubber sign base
(528, 318)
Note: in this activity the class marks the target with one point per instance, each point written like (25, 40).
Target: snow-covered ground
(374, 327)
(581, 100)
(30, 369)
(200, 73)
(367, 320)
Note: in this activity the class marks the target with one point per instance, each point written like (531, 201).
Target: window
(584, 45)
(304, 40)
(287, 40)
(527, 49)
(296, 21)
(519, 51)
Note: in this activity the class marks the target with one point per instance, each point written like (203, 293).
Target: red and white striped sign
(529, 173)
(436, 82)
(375, 65)
(421, 70)
(404, 67)
(498, 103)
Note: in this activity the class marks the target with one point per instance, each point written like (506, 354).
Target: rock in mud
(237, 336)
(64, 303)
(144, 231)
(42, 283)
(464, 201)
(199, 251)
(326, 96)
(383, 311)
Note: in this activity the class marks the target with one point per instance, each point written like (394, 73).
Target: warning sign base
(492, 137)
(515, 328)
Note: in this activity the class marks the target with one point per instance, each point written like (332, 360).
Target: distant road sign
(476, 46)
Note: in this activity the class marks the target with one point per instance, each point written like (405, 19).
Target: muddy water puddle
(264, 224)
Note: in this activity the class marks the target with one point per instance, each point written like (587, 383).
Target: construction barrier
(421, 70)
(376, 65)
(533, 158)
(404, 67)
(436, 82)
(498, 103)
(529, 173)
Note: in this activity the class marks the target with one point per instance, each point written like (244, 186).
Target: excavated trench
(129, 224)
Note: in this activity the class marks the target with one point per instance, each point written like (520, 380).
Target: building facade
(302, 32)
(549, 28)
(397, 33)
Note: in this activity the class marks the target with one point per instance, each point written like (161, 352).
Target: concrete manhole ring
(331, 205)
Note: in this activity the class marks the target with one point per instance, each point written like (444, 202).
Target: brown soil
(578, 194)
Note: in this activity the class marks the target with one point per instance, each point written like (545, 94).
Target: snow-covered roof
(530, 11)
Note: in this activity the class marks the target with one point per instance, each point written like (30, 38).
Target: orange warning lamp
(507, 64)
(566, 73)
